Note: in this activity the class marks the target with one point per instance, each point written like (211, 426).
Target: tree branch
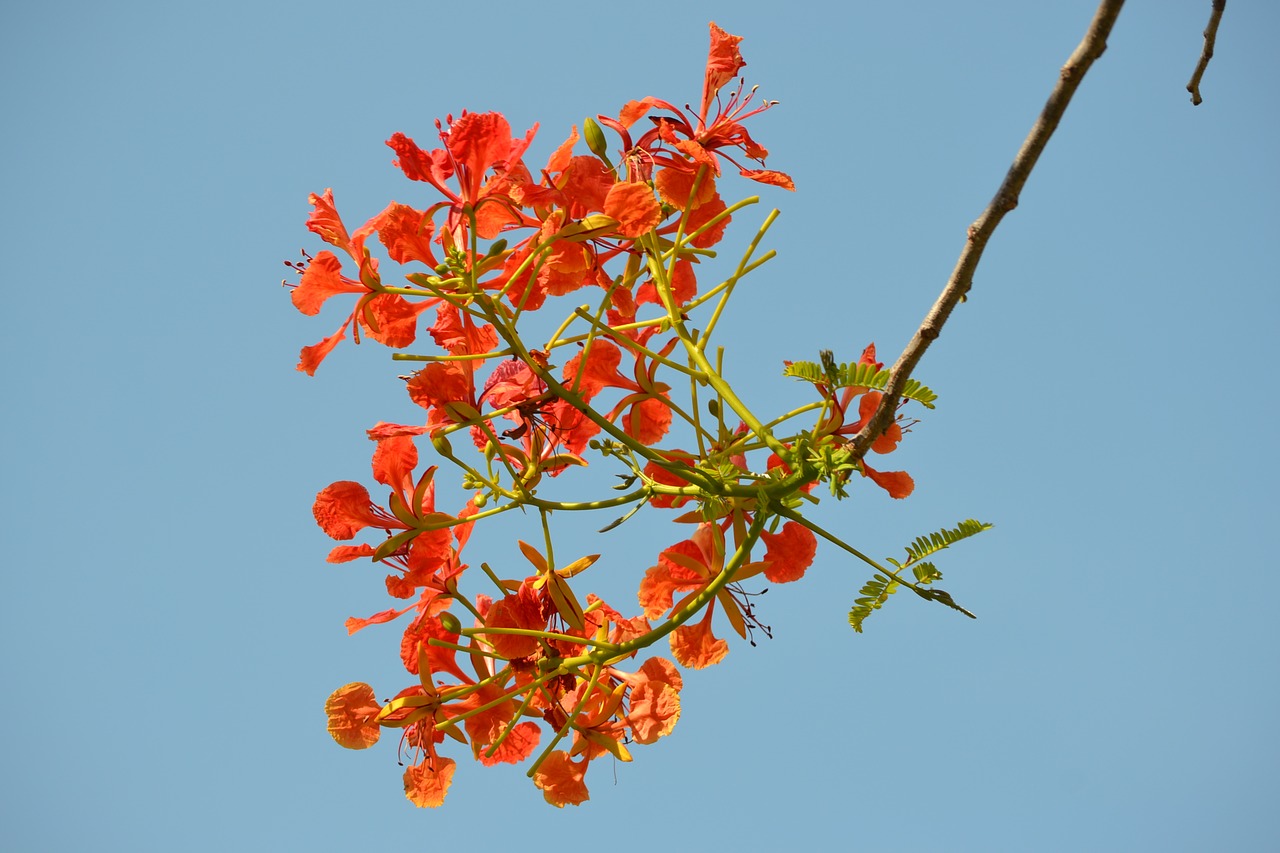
(1005, 200)
(1210, 36)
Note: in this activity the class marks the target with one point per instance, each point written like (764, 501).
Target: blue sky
(1107, 400)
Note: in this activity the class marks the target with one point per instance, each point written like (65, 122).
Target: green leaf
(873, 595)
(876, 591)
(926, 573)
(857, 375)
(935, 542)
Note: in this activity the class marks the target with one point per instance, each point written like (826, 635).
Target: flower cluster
(529, 670)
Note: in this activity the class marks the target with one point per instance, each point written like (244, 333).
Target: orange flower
(487, 727)
(527, 608)
(688, 567)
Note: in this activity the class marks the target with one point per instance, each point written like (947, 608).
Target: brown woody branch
(1005, 200)
(1210, 36)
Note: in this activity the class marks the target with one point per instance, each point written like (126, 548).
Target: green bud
(595, 138)
(450, 623)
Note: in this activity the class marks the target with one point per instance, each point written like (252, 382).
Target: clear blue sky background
(171, 629)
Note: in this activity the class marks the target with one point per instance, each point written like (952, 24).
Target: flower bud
(594, 135)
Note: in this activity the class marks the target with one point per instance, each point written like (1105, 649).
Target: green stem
(700, 359)
(539, 635)
(568, 724)
(732, 281)
(839, 543)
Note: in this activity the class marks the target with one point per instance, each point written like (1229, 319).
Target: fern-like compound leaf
(856, 375)
(924, 546)
(872, 596)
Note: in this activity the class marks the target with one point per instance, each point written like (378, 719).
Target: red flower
(645, 413)
(897, 483)
(704, 138)
(476, 145)
(688, 567)
(446, 391)
(388, 318)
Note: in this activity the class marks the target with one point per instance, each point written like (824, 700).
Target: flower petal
(426, 785)
(561, 780)
(790, 552)
(352, 710)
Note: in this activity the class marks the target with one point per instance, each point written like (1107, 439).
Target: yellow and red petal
(477, 141)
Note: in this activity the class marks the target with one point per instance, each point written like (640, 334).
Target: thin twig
(1210, 36)
(1005, 200)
